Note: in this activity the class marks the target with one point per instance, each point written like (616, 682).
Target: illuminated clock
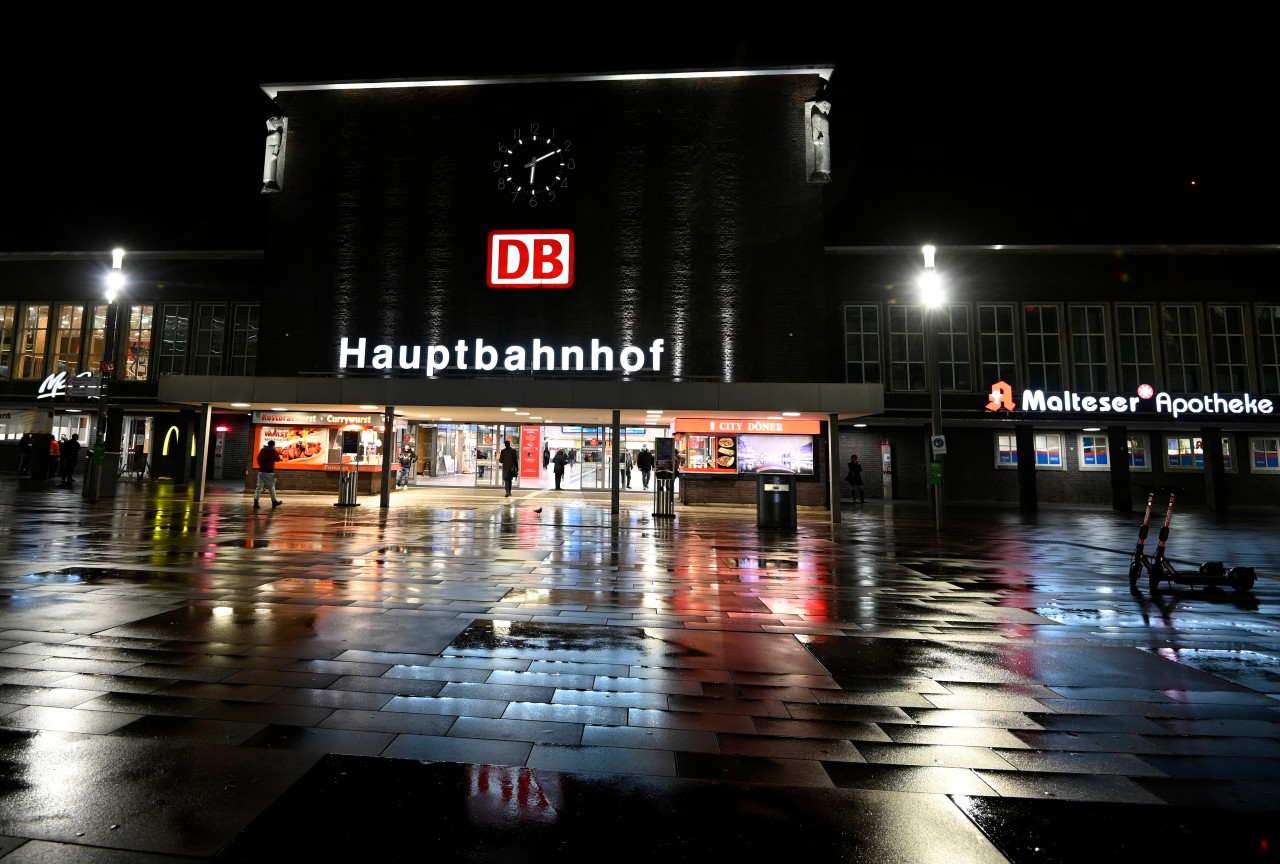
(533, 166)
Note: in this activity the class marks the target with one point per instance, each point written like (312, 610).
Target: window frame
(38, 354)
(1175, 344)
(913, 339)
(1130, 341)
(999, 343)
(1049, 342)
(1006, 450)
(1234, 345)
(1266, 329)
(869, 341)
(1092, 340)
(1187, 450)
(1271, 454)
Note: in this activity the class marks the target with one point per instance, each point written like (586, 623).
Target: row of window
(1086, 347)
(41, 339)
(1180, 454)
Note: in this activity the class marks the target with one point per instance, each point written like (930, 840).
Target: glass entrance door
(489, 443)
(593, 459)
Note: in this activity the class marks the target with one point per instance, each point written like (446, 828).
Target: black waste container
(664, 494)
(775, 498)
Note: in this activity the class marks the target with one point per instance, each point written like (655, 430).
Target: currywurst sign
(1001, 399)
(482, 357)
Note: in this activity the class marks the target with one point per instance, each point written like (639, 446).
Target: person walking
(546, 456)
(267, 459)
(24, 453)
(644, 461)
(509, 462)
(70, 458)
(854, 478)
(628, 463)
(55, 452)
(561, 460)
(408, 460)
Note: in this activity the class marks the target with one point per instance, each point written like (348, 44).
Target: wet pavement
(462, 677)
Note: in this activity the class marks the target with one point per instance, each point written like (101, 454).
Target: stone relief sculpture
(271, 161)
(819, 161)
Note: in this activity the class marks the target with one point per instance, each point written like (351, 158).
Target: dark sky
(1120, 138)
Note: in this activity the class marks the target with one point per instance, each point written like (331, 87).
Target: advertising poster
(530, 451)
(300, 447)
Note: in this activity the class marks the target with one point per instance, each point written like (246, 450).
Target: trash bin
(110, 474)
(664, 493)
(775, 498)
(100, 474)
(347, 488)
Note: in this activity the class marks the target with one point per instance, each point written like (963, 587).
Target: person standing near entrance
(509, 462)
(644, 461)
(70, 458)
(267, 459)
(24, 453)
(628, 463)
(561, 460)
(546, 456)
(854, 478)
(55, 451)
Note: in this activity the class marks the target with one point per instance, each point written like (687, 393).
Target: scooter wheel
(1135, 570)
(1241, 578)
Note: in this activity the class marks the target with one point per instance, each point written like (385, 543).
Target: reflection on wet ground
(465, 674)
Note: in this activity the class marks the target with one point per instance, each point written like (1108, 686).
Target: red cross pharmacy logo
(1001, 397)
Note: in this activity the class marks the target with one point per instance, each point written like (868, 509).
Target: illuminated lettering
(433, 359)
(1176, 406)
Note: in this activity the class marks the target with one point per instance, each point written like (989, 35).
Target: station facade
(614, 263)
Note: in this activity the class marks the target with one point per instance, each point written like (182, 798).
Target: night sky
(1119, 137)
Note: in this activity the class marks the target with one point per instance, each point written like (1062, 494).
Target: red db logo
(530, 259)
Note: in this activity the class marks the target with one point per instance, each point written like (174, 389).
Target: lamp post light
(106, 370)
(933, 297)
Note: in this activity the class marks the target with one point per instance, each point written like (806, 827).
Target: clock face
(533, 166)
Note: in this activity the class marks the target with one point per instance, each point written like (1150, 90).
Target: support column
(186, 429)
(389, 447)
(833, 466)
(1025, 435)
(1215, 476)
(1118, 460)
(202, 449)
(615, 496)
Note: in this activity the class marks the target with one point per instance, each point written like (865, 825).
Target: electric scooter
(1160, 569)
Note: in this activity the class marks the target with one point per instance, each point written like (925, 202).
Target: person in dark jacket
(644, 461)
(854, 479)
(24, 453)
(509, 462)
(561, 459)
(70, 458)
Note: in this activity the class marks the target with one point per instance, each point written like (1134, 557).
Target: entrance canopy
(481, 400)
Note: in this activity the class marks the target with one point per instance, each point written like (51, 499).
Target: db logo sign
(530, 259)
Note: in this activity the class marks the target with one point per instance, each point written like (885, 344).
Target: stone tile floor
(463, 676)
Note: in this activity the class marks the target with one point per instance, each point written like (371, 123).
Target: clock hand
(546, 155)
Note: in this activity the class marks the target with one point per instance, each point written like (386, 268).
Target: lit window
(1048, 447)
(1266, 454)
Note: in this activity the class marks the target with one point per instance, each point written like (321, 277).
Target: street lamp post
(931, 293)
(106, 371)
